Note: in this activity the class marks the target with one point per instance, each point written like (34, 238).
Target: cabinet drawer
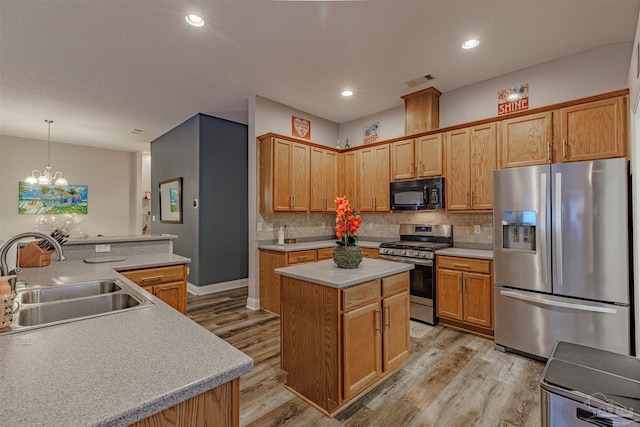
(370, 253)
(301, 256)
(360, 295)
(465, 264)
(325, 253)
(395, 284)
(153, 276)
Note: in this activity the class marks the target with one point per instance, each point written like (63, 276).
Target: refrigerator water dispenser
(519, 230)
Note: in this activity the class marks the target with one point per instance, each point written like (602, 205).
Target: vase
(347, 256)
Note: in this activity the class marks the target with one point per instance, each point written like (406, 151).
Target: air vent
(419, 80)
(137, 131)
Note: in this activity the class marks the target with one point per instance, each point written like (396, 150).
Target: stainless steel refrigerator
(561, 256)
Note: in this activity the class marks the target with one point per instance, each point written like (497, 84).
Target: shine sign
(513, 99)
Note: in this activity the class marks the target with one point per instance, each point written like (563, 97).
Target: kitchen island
(150, 364)
(343, 331)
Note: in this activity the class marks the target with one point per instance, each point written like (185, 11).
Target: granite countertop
(466, 253)
(111, 370)
(317, 244)
(327, 273)
(93, 240)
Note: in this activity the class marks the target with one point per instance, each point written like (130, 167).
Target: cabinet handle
(464, 285)
(462, 265)
(473, 198)
(389, 316)
(144, 279)
(373, 205)
(412, 168)
(294, 201)
(564, 148)
(379, 313)
(458, 284)
(468, 202)
(290, 202)
(420, 169)
(548, 151)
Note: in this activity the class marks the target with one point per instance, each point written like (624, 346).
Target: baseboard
(253, 303)
(216, 287)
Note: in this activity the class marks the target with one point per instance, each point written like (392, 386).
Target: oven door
(422, 288)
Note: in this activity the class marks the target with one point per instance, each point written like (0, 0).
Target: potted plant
(347, 254)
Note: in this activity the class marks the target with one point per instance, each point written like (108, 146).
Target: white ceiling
(100, 68)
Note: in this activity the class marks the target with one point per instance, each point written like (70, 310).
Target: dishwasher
(585, 386)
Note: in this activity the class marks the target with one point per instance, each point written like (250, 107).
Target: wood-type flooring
(452, 378)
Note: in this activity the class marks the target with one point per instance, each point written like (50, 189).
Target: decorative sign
(52, 199)
(371, 132)
(300, 127)
(513, 99)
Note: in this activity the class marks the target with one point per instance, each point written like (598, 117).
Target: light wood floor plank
(451, 379)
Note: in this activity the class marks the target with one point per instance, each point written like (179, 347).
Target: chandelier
(46, 177)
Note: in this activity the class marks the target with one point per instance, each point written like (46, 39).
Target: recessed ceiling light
(470, 44)
(194, 20)
(347, 93)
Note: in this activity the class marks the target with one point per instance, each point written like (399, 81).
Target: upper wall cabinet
(284, 175)
(471, 160)
(348, 178)
(324, 180)
(416, 158)
(526, 140)
(595, 130)
(373, 179)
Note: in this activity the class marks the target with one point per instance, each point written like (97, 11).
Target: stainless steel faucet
(4, 249)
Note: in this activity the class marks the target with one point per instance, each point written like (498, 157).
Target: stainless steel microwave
(418, 195)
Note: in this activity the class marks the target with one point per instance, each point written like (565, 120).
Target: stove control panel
(408, 253)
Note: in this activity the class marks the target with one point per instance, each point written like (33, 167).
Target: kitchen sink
(79, 290)
(49, 305)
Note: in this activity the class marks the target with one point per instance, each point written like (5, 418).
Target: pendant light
(46, 177)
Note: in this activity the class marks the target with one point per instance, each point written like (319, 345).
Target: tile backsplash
(380, 226)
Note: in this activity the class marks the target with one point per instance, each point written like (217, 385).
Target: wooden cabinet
(471, 160)
(324, 180)
(338, 343)
(167, 283)
(370, 253)
(464, 293)
(416, 158)
(284, 175)
(348, 179)
(526, 140)
(373, 179)
(594, 130)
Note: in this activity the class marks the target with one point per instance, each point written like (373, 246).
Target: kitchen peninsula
(342, 330)
(143, 366)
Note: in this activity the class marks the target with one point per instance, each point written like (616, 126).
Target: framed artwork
(300, 127)
(371, 132)
(52, 199)
(171, 201)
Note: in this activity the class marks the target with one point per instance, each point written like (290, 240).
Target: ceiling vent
(137, 131)
(419, 80)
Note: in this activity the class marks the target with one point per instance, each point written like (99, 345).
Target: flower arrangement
(347, 223)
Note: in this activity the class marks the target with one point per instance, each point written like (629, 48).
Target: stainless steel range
(416, 246)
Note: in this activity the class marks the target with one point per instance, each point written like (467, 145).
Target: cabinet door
(396, 344)
(595, 130)
(370, 253)
(300, 161)
(381, 196)
(330, 180)
(317, 180)
(477, 299)
(526, 141)
(172, 294)
(429, 156)
(282, 196)
(483, 163)
(270, 281)
(366, 179)
(458, 191)
(348, 181)
(362, 345)
(402, 160)
(448, 294)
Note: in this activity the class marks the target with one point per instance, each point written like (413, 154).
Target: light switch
(260, 226)
(103, 248)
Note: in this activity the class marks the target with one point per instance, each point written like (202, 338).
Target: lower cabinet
(167, 283)
(464, 293)
(338, 343)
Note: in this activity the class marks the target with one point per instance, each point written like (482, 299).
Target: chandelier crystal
(46, 177)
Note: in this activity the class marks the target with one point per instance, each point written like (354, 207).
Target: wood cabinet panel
(429, 156)
(167, 283)
(526, 140)
(402, 160)
(464, 264)
(362, 343)
(325, 253)
(356, 296)
(449, 299)
(324, 180)
(173, 294)
(397, 283)
(301, 257)
(476, 299)
(282, 176)
(458, 170)
(595, 130)
(396, 337)
(300, 165)
(349, 178)
(373, 167)
(483, 163)
(270, 281)
(370, 253)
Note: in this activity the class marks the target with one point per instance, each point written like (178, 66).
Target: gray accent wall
(210, 154)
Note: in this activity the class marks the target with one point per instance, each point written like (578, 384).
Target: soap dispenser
(281, 236)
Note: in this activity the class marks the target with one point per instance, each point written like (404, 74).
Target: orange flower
(347, 222)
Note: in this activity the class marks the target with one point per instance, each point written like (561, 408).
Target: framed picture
(171, 201)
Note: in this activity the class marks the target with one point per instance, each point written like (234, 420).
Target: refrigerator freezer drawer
(530, 322)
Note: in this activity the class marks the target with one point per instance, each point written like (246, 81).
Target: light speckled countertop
(111, 370)
(327, 273)
(466, 253)
(93, 240)
(317, 244)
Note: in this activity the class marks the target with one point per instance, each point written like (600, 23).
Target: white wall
(391, 126)
(110, 175)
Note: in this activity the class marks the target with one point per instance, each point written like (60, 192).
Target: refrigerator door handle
(543, 231)
(581, 307)
(558, 228)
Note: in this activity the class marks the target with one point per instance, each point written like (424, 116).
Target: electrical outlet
(260, 226)
(103, 248)
(270, 226)
(477, 229)
(153, 218)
